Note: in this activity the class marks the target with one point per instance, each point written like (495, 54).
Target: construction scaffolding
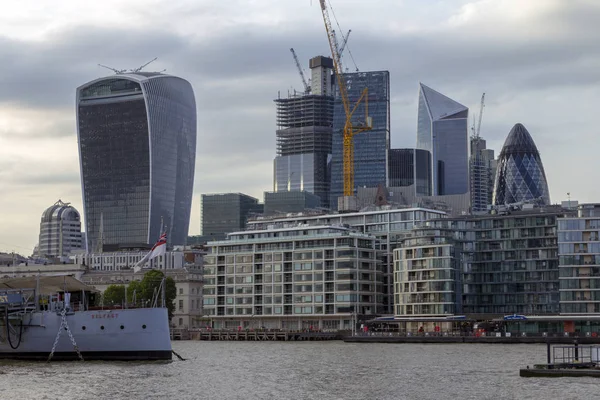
(304, 124)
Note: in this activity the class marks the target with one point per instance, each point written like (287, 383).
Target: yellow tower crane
(349, 128)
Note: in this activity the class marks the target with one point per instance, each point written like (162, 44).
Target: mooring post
(576, 350)
(548, 353)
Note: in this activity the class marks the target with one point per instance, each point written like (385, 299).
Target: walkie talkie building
(137, 152)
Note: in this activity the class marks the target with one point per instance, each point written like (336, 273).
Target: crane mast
(349, 129)
(480, 115)
(304, 82)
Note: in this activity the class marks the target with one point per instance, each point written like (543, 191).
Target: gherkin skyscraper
(520, 174)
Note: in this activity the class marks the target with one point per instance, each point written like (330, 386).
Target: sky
(538, 61)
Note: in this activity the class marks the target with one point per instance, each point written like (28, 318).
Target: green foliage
(150, 284)
(134, 287)
(113, 295)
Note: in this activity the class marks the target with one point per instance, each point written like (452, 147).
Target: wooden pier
(263, 336)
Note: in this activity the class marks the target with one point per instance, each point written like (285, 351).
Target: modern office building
(442, 130)
(482, 172)
(304, 126)
(389, 224)
(505, 262)
(294, 277)
(290, 202)
(370, 147)
(407, 167)
(137, 151)
(520, 174)
(227, 212)
(60, 231)
(579, 263)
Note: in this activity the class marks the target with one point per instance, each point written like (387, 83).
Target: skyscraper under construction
(304, 126)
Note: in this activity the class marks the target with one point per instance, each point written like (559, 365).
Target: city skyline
(531, 60)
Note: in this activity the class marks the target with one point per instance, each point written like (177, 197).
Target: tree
(135, 287)
(113, 295)
(150, 284)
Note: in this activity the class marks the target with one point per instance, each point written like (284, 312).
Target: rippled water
(302, 370)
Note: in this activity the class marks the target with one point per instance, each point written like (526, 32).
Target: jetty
(567, 361)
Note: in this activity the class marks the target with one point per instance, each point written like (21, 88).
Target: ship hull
(126, 335)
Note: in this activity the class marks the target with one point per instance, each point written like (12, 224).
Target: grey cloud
(237, 74)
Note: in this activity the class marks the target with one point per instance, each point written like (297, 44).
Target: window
(180, 321)
(180, 304)
(180, 290)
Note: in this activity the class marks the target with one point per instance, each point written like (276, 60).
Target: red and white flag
(158, 249)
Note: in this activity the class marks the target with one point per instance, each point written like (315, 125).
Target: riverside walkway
(488, 337)
(262, 335)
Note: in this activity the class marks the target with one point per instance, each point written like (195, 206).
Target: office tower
(371, 147)
(290, 202)
(520, 173)
(226, 212)
(137, 149)
(442, 130)
(320, 71)
(407, 167)
(60, 231)
(482, 170)
(304, 123)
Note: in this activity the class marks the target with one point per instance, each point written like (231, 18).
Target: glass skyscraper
(442, 130)
(137, 151)
(520, 174)
(408, 167)
(223, 213)
(370, 147)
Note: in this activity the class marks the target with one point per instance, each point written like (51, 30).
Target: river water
(302, 370)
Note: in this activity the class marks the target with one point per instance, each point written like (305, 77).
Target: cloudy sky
(538, 61)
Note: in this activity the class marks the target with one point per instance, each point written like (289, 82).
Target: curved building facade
(520, 174)
(137, 151)
(60, 231)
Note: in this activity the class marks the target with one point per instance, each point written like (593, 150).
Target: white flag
(158, 249)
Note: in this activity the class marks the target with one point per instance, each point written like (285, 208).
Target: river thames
(302, 370)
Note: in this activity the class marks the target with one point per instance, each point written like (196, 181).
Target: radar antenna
(143, 66)
(130, 71)
(116, 71)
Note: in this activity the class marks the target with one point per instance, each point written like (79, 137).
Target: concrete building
(404, 196)
(579, 263)
(389, 224)
(60, 231)
(304, 126)
(442, 130)
(504, 263)
(127, 259)
(371, 147)
(227, 212)
(137, 151)
(426, 274)
(294, 277)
